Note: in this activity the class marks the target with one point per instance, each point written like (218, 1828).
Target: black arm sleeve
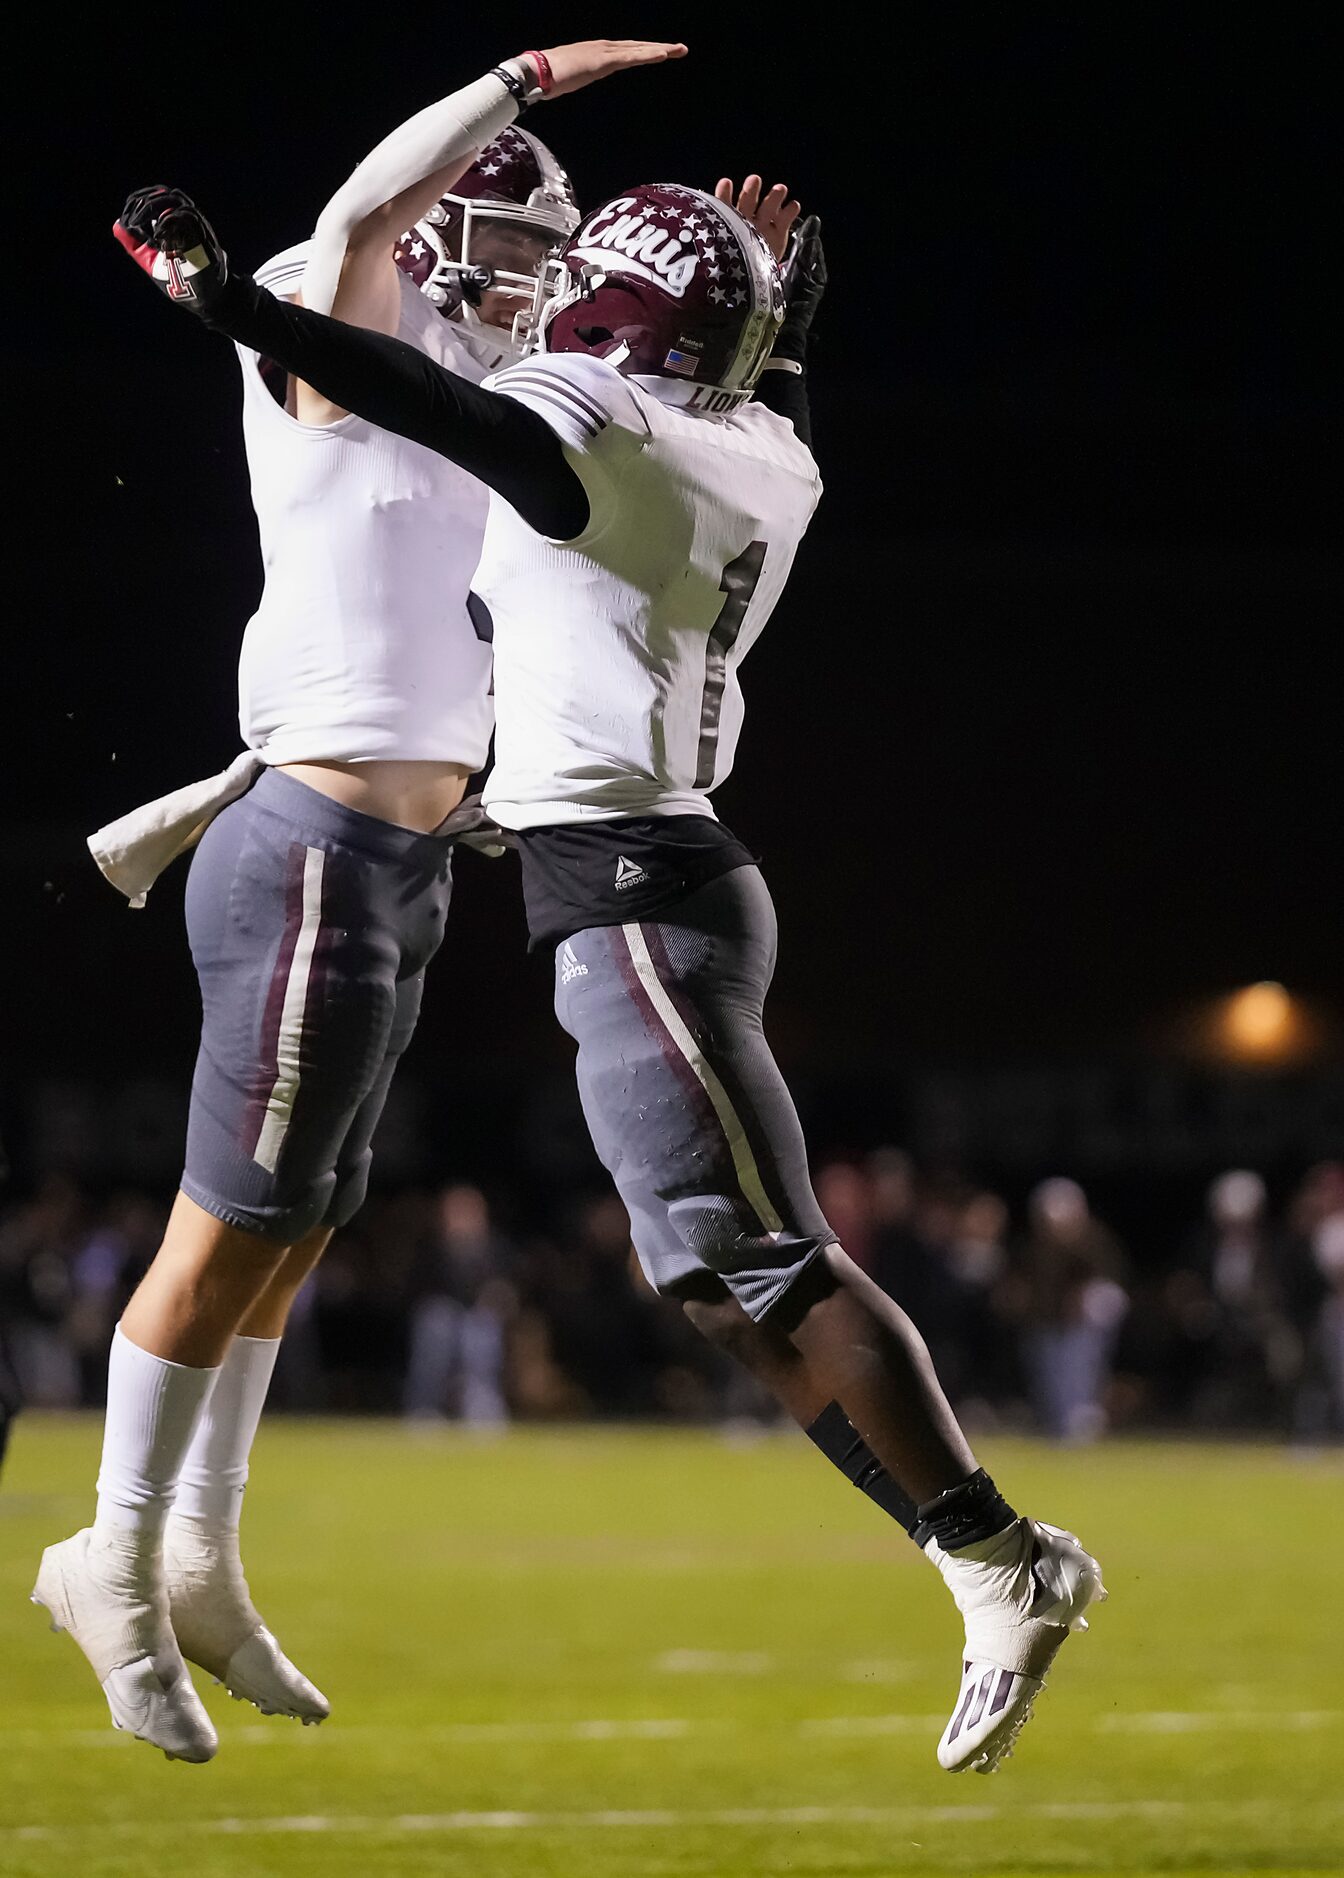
(498, 440)
(785, 393)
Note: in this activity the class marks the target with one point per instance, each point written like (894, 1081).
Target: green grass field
(618, 1654)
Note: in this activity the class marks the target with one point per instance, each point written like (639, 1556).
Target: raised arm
(783, 383)
(796, 245)
(350, 271)
(396, 387)
(496, 439)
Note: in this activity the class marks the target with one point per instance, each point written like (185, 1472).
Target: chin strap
(491, 346)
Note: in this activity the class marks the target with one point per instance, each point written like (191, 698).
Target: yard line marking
(648, 1817)
(448, 1734)
(672, 1728)
(713, 1662)
(1202, 1721)
(858, 1725)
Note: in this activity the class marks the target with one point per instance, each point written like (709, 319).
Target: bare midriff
(412, 795)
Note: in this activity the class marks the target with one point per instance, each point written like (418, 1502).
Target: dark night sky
(1045, 734)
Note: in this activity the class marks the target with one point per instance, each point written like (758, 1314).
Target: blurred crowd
(435, 1306)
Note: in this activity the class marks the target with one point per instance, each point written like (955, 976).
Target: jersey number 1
(737, 586)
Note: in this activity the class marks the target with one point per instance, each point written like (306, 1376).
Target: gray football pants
(311, 926)
(684, 1101)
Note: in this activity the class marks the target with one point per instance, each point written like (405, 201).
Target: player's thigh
(304, 933)
(354, 1159)
(685, 1103)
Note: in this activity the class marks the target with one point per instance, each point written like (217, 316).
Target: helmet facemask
(499, 276)
(481, 253)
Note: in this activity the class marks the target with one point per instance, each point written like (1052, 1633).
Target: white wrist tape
(454, 130)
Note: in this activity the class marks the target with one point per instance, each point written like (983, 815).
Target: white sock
(214, 1472)
(152, 1407)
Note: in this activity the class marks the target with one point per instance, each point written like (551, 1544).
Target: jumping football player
(646, 516)
(317, 899)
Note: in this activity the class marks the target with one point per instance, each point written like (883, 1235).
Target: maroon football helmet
(669, 284)
(495, 229)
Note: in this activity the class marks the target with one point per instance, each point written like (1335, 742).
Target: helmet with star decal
(672, 287)
(479, 254)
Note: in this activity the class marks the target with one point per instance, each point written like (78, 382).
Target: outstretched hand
(169, 239)
(573, 67)
(772, 215)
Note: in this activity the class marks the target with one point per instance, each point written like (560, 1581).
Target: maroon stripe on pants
(320, 967)
(690, 1015)
(268, 1067)
(694, 1090)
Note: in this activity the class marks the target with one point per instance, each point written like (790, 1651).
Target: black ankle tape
(842, 1444)
(965, 1514)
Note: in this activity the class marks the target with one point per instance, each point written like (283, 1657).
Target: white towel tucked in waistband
(134, 850)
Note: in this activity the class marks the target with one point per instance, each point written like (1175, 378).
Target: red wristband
(545, 77)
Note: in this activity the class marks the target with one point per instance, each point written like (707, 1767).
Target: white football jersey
(363, 645)
(617, 654)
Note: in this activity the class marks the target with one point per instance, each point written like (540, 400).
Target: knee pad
(725, 1236)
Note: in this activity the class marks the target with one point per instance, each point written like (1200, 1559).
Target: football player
(651, 479)
(317, 898)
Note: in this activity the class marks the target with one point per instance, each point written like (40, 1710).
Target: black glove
(169, 239)
(804, 270)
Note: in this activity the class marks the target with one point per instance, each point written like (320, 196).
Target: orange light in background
(1261, 1026)
(1262, 1023)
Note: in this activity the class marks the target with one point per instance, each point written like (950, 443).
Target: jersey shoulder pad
(778, 441)
(582, 399)
(283, 273)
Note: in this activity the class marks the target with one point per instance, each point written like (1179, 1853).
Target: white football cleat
(219, 1628)
(1021, 1593)
(101, 1589)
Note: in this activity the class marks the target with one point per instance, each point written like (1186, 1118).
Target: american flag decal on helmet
(681, 362)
